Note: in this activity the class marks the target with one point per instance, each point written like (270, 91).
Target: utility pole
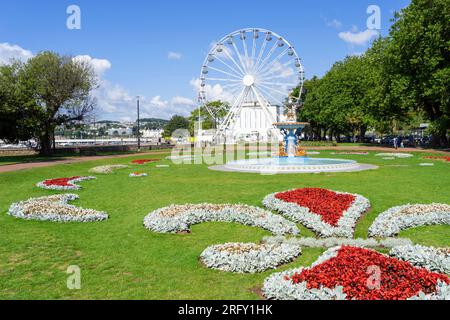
(138, 126)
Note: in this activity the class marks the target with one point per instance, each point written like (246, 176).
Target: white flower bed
(107, 169)
(334, 242)
(433, 259)
(345, 226)
(178, 218)
(396, 155)
(392, 221)
(137, 175)
(71, 184)
(312, 153)
(248, 257)
(54, 208)
(278, 286)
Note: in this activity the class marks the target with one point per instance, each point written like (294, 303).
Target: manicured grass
(119, 258)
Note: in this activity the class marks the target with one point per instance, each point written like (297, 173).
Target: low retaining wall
(93, 150)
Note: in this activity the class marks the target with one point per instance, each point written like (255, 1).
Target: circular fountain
(291, 157)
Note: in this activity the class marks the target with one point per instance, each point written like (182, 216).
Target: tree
(19, 112)
(47, 91)
(416, 64)
(176, 122)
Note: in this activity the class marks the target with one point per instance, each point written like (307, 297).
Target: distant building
(114, 132)
(152, 134)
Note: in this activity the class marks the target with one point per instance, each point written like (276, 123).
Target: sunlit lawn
(119, 258)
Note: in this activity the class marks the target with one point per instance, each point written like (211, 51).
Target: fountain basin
(278, 165)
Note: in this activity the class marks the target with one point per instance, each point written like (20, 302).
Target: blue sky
(156, 48)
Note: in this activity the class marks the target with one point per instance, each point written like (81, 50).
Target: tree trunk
(362, 133)
(45, 142)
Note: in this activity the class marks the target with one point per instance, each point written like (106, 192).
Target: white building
(120, 132)
(152, 134)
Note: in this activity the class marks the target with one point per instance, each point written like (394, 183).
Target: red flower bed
(399, 279)
(144, 161)
(444, 158)
(326, 203)
(62, 182)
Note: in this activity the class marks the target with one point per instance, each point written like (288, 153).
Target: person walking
(396, 143)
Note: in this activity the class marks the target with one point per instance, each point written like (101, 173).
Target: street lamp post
(138, 126)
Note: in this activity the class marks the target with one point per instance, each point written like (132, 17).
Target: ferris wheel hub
(248, 80)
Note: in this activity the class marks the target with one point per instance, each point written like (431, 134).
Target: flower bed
(392, 221)
(345, 273)
(54, 208)
(178, 218)
(433, 259)
(442, 158)
(248, 257)
(107, 169)
(327, 212)
(396, 155)
(63, 183)
(144, 161)
(356, 153)
(137, 174)
(334, 242)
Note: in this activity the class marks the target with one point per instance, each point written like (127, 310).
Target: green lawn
(119, 258)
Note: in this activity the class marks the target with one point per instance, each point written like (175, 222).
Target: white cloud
(358, 38)
(114, 102)
(99, 65)
(9, 52)
(174, 55)
(335, 23)
(182, 101)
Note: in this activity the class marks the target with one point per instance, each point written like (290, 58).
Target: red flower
(62, 182)
(444, 158)
(399, 280)
(326, 203)
(143, 161)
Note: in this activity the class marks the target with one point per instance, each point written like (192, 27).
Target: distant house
(115, 132)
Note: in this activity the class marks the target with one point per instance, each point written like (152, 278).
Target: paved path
(68, 160)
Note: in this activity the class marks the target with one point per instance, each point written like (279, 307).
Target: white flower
(248, 257)
(54, 208)
(107, 169)
(433, 259)
(72, 184)
(178, 218)
(396, 219)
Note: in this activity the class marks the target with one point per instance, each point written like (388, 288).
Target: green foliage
(176, 122)
(210, 115)
(47, 91)
(415, 64)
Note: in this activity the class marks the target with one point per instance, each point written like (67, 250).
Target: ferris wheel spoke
(280, 84)
(253, 49)
(246, 54)
(234, 61)
(264, 105)
(270, 95)
(261, 52)
(270, 72)
(224, 72)
(239, 57)
(233, 110)
(223, 79)
(230, 67)
(274, 90)
(277, 59)
(272, 50)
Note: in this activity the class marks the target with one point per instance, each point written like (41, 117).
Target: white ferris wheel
(250, 66)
